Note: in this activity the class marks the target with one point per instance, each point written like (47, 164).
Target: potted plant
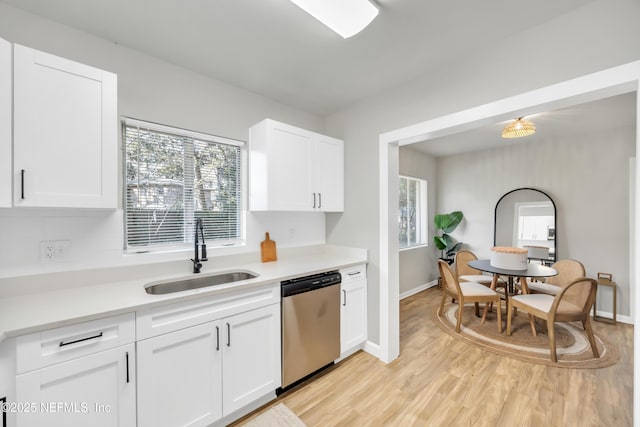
(445, 224)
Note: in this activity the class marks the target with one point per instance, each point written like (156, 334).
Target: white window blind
(174, 176)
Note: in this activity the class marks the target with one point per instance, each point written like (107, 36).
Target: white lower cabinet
(197, 375)
(251, 357)
(179, 377)
(196, 362)
(94, 390)
(353, 309)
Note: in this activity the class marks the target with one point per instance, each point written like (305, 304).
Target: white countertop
(46, 309)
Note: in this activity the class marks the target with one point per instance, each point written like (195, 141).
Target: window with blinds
(412, 213)
(174, 176)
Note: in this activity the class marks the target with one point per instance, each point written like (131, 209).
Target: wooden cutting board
(268, 249)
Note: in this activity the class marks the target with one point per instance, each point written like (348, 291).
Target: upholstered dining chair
(572, 303)
(466, 273)
(465, 292)
(568, 271)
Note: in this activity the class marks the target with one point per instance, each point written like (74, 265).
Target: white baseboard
(246, 409)
(372, 348)
(350, 352)
(420, 288)
(619, 318)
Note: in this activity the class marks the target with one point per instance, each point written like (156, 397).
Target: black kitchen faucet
(202, 254)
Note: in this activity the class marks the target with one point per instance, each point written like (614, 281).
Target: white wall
(588, 178)
(600, 35)
(417, 265)
(148, 89)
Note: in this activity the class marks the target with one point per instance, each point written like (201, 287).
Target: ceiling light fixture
(518, 128)
(345, 17)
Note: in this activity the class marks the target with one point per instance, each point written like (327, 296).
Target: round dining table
(532, 270)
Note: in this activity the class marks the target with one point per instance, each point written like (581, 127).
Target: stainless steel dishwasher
(310, 324)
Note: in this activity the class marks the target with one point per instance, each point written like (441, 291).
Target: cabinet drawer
(168, 318)
(356, 272)
(53, 346)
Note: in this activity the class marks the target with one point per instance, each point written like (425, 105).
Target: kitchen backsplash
(94, 239)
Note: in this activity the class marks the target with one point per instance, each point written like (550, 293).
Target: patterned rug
(572, 345)
(276, 416)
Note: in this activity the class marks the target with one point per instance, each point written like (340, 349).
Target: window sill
(180, 249)
(408, 248)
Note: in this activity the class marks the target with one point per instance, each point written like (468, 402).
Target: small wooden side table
(605, 279)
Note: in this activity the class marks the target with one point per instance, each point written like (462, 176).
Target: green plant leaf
(440, 242)
(440, 221)
(453, 220)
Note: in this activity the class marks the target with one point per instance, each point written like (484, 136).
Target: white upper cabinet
(65, 132)
(293, 169)
(6, 122)
(329, 164)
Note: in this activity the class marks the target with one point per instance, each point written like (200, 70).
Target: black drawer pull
(62, 343)
(22, 184)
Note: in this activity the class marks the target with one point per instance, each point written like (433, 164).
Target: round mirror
(526, 218)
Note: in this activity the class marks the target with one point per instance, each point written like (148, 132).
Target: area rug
(572, 345)
(276, 416)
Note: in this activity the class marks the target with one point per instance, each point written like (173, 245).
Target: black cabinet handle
(22, 184)
(344, 293)
(319, 200)
(228, 335)
(314, 200)
(126, 355)
(62, 343)
(217, 338)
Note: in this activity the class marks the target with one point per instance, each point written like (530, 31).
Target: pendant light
(518, 128)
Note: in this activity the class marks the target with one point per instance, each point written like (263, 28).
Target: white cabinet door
(292, 169)
(179, 377)
(251, 356)
(6, 122)
(329, 173)
(280, 174)
(95, 390)
(353, 314)
(65, 132)
(290, 185)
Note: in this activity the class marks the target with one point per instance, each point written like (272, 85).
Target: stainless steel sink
(179, 285)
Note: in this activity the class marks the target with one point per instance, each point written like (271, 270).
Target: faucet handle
(196, 266)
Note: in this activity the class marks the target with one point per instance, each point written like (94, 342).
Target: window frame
(421, 214)
(186, 245)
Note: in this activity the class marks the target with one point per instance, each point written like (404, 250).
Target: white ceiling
(608, 113)
(273, 48)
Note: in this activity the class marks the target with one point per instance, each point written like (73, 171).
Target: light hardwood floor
(439, 380)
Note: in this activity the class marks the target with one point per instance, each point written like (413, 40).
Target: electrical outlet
(292, 233)
(54, 251)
